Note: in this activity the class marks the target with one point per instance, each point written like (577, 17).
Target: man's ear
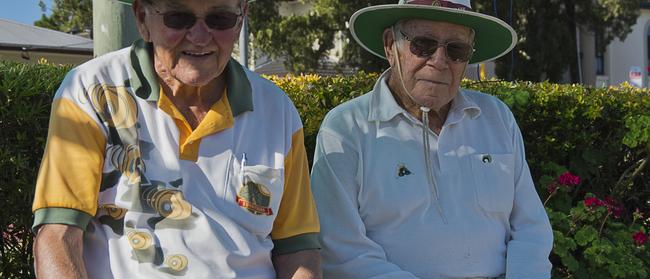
(140, 16)
(389, 44)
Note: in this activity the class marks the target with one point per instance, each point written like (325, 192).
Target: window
(600, 57)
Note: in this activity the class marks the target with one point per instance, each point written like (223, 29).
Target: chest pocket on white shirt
(494, 181)
(257, 196)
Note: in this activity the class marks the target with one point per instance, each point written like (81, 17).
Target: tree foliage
(69, 16)
(547, 33)
(293, 37)
(546, 49)
(302, 40)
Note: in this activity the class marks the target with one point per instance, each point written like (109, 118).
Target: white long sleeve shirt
(377, 212)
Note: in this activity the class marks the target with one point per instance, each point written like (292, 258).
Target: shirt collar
(462, 105)
(144, 81)
(383, 106)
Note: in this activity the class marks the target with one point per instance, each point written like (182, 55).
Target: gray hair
(397, 27)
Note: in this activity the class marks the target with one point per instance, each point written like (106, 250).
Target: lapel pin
(402, 170)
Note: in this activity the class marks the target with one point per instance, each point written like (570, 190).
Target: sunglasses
(424, 47)
(222, 20)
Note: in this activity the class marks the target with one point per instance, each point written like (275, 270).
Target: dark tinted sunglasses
(425, 47)
(222, 20)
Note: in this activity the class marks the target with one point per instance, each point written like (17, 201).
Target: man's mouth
(435, 82)
(197, 53)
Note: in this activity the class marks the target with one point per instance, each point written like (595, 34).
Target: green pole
(113, 26)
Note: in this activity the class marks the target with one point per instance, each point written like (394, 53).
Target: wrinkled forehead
(436, 28)
(186, 4)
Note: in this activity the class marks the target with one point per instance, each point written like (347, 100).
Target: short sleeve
(296, 227)
(69, 178)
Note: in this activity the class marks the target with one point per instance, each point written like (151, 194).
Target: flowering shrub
(568, 179)
(595, 238)
(564, 181)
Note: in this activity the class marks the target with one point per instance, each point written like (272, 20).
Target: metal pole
(113, 26)
(578, 53)
(243, 43)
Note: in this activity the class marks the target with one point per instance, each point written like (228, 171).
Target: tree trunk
(573, 43)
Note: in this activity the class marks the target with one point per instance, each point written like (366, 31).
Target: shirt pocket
(494, 181)
(254, 193)
(397, 187)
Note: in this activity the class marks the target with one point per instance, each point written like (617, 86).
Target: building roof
(18, 36)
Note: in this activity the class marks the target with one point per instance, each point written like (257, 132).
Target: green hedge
(602, 135)
(25, 96)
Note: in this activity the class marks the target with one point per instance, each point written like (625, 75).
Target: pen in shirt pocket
(241, 167)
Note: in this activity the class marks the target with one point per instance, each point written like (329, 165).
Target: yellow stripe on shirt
(297, 213)
(71, 170)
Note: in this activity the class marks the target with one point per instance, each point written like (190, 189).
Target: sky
(23, 11)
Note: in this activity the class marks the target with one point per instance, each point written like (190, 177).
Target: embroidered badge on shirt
(255, 197)
(402, 170)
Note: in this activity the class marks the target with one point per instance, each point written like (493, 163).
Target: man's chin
(433, 103)
(194, 79)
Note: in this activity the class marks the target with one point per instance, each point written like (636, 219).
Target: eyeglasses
(222, 20)
(425, 47)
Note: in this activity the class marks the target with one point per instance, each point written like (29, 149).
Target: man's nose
(199, 33)
(439, 58)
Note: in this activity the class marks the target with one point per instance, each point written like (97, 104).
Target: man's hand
(299, 265)
(58, 251)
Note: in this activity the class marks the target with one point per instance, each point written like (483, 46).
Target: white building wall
(588, 57)
(632, 52)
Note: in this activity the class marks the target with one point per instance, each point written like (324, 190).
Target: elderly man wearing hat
(168, 159)
(419, 178)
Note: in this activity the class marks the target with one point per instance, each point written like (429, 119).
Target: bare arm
(300, 265)
(58, 252)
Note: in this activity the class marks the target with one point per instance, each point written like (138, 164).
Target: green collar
(144, 80)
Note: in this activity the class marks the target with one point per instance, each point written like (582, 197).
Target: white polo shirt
(377, 213)
(159, 199)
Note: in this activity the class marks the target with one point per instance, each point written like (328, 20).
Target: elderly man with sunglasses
(420, 178)
(168, 159)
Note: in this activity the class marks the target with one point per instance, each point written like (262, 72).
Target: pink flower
(613, 207)
(640, 238)
(568, 179)
(592, 202)
(552, 187)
